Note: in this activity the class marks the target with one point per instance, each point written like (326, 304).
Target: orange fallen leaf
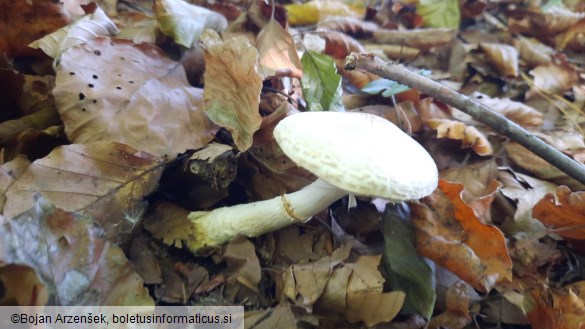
(558, 308)
(456, 316)
(564, 211)
(450, 234)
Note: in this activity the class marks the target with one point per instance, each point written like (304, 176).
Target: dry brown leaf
(338, 45)
(26, 22)
(22, 286)
(71, 257)
(169, 224)
(554, 78)
(564, 212)
(280, 316)
(573, 38)
(533, 52)
(243, 266)
(105, 180)
(557, 308)
(113, 90)
(278, 54)
(523, 115)
(456, 316)
(349, 25)
(469, 135)
(556, 19)
(523, 158)
(418, 38)
(407, 112)
(503, 57)
(450, 234)
(394, 52)
(232, 86)
(357, 78)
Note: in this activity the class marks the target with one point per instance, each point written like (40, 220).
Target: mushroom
(355, 153)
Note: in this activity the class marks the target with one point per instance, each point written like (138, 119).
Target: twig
(478, 111)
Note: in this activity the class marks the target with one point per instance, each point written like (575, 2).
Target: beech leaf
(71, 257)
(77, 33)
(564, 211)
(232, 86)
(185, 22)
(114, 90)
(321, 83)
(277, 50)
(105, 180)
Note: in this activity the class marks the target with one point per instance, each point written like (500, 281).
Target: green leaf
(439, 13)
(384, 86)
(321, 83)
(407, 270)
(389, 88)
(185, 22)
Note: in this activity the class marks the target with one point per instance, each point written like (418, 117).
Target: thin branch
(468, 105)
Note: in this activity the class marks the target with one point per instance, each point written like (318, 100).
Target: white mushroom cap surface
(360, 153)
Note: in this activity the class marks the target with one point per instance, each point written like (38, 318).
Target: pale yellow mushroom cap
(360, 153)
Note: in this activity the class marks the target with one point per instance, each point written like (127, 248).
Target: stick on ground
(478, 111)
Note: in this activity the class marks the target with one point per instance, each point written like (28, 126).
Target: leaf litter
(85, 146)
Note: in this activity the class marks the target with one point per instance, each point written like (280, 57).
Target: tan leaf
(243, 265)
(394, 52)
(9, 173)
(356, 77)
(365, 277)
(374, 308)
(469, 135)
(232, 86)
(281, 317)
(113, 90)
(554, 78)
(105, 180)
(278, 53)
(557, 19)
(533, 52)
(456, 316)
(503, 57)
(418, 38)
(523, 115)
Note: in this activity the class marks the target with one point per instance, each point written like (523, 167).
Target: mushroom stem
(216, 227)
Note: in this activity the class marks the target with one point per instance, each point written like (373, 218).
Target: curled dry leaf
(232, 86)
(77, 33)
(105, 180)
(503, 57)
(349, 25)
(523, 115)
(278, 54)
(554, 78)
(450, 234)
(185, 22)
(71, 257)
(564, 212)
(419, 38)
(27, 22)
(469, 135)
(114, 90)
(394, 52)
